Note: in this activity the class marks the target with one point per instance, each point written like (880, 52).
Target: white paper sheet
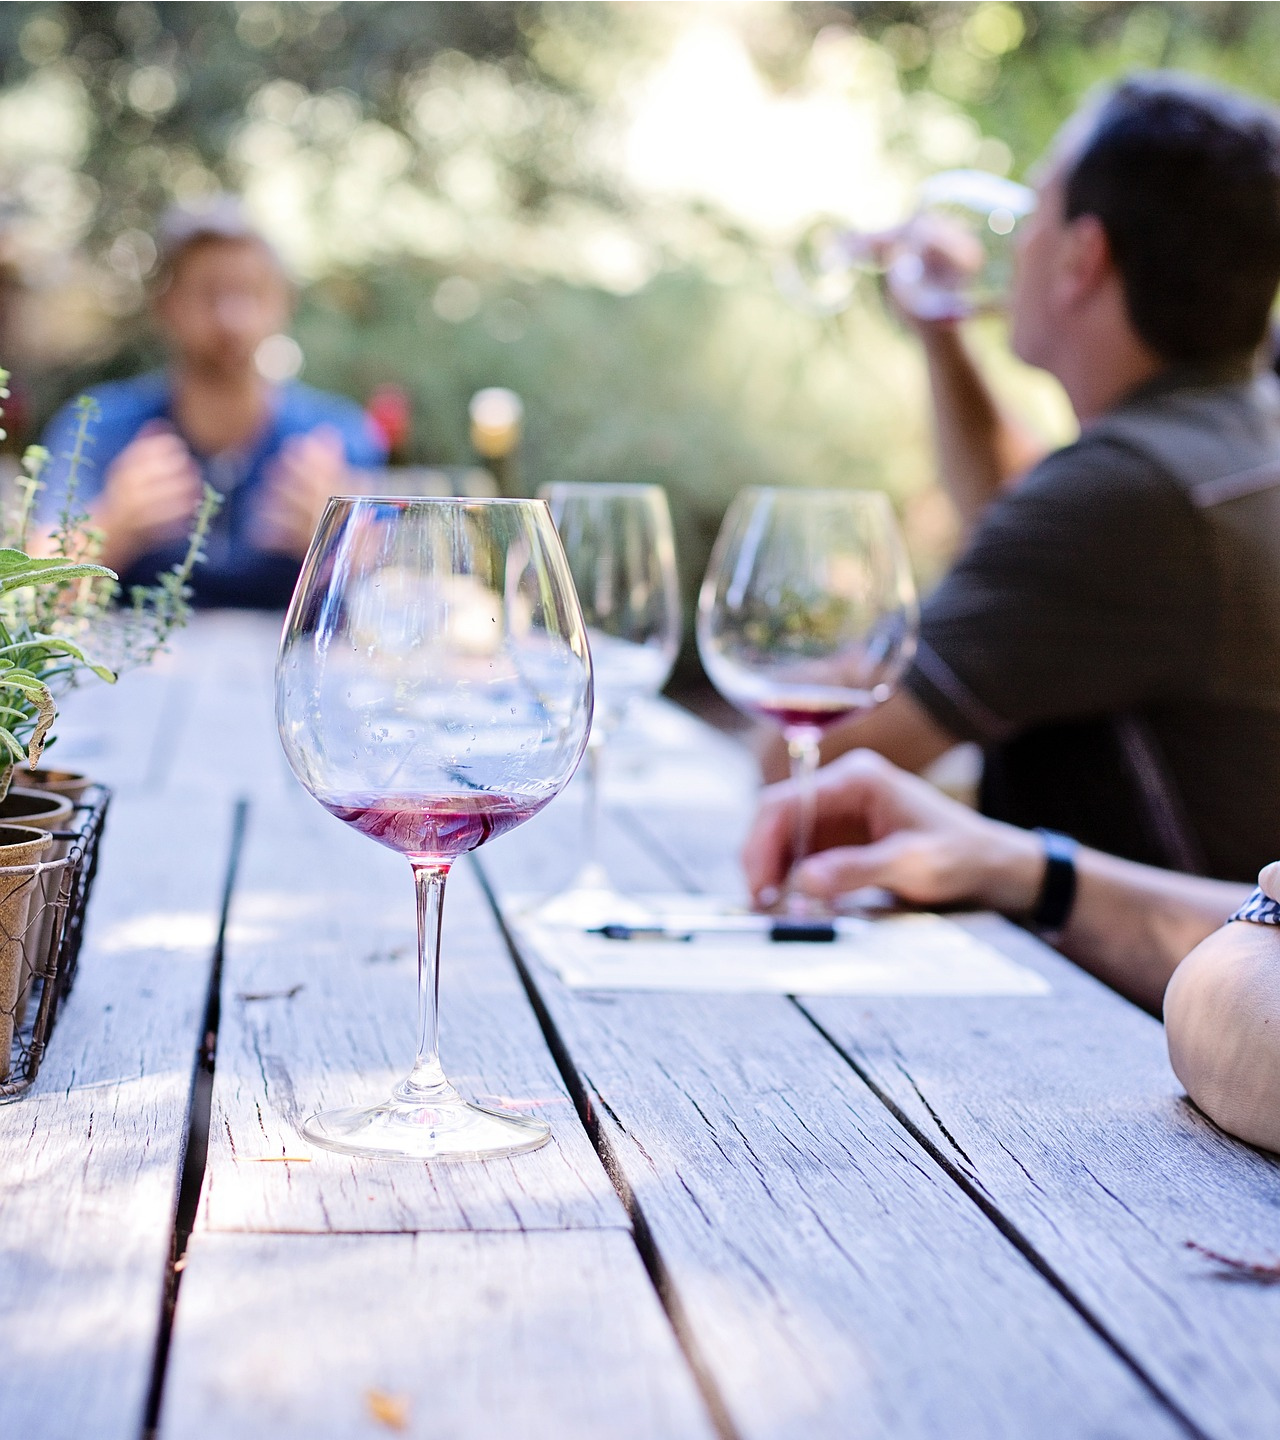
(917, 954)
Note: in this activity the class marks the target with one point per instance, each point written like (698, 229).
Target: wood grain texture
(832, 1279)
(319, 998)
(1065, 1116)
(548, 1336)
(90, 1159)
(1068, 1119)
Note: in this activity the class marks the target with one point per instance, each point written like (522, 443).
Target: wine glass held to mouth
(807, 616)
(433, 690)
(952, 258)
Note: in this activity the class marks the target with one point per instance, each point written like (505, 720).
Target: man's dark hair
(1185, 179)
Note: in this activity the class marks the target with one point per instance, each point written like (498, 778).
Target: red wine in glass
(816, 712)
(807, 616)
(436, 827)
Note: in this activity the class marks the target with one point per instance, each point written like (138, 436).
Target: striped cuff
(1259, 909)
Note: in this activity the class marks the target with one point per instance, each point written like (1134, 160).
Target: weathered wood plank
(832, 1279)
(120, 733)
(1066, 1118)
(90, 1159)
(322, 934)
(227, 740)
(548, 1336)
(197, 721)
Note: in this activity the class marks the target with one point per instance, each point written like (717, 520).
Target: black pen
(784, 929)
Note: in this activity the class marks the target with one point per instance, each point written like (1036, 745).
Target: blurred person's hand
(310, 470)
(877, 825)
(149, 496)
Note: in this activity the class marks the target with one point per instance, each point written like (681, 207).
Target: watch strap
(1058, 890)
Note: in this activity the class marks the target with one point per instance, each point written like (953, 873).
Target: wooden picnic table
(759, 1217)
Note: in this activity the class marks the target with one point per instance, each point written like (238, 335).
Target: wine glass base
(579, 909)
(590, 902)
(403, 1130)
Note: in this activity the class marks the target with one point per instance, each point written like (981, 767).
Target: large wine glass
(951, 259)
(807, 616)
(621, 553)
(433, 690)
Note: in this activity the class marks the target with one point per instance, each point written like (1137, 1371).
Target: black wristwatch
(1058, 892)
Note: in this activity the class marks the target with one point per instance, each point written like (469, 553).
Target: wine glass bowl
(807, 615)
(951, 259)
(434, 690)
(620, 549)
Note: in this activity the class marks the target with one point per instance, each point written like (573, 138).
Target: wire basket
(42, 914)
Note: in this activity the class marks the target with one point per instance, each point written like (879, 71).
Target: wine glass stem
(427, 1078)
(802, 747)
(592, 872)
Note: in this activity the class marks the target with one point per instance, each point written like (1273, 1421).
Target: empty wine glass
(951, 259)
(807, 616)
(433, 690)
(621, 553)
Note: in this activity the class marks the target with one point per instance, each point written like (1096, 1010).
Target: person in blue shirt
(276, 452)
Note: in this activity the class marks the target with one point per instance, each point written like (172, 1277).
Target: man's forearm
(979, 450)
(1131, 924)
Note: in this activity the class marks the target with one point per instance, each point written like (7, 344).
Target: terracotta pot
(61, 782)
(42, 810)
(19, 845)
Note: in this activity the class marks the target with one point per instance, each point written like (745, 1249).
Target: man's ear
(1087, 262)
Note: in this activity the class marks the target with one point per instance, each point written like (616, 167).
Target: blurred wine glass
(621, 552)
(433, 690)
(807, 616)
(953, 258)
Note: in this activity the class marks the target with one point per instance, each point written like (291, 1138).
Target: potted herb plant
(57, 609)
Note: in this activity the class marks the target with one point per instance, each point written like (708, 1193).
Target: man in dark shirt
(275, 451)
(1111, 635)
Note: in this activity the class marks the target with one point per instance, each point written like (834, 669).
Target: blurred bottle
(496, 417)
(391, 415)
(951, 259)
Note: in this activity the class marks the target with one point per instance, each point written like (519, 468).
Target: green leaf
(10, 743)
(57, 645)
(18, 569)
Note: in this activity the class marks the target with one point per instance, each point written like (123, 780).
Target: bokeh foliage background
(583, 202)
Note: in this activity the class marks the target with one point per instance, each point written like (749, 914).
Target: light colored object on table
(19, 846)
(1222, 1019)
(913, 954)
(42, 810)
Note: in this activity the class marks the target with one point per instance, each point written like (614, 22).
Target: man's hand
(877, 825)
(310, 470)
(149, 497)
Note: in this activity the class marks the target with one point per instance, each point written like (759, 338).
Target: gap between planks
(650, 1255)
(669, 859)
(1020, 1242)
(196, 1151)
